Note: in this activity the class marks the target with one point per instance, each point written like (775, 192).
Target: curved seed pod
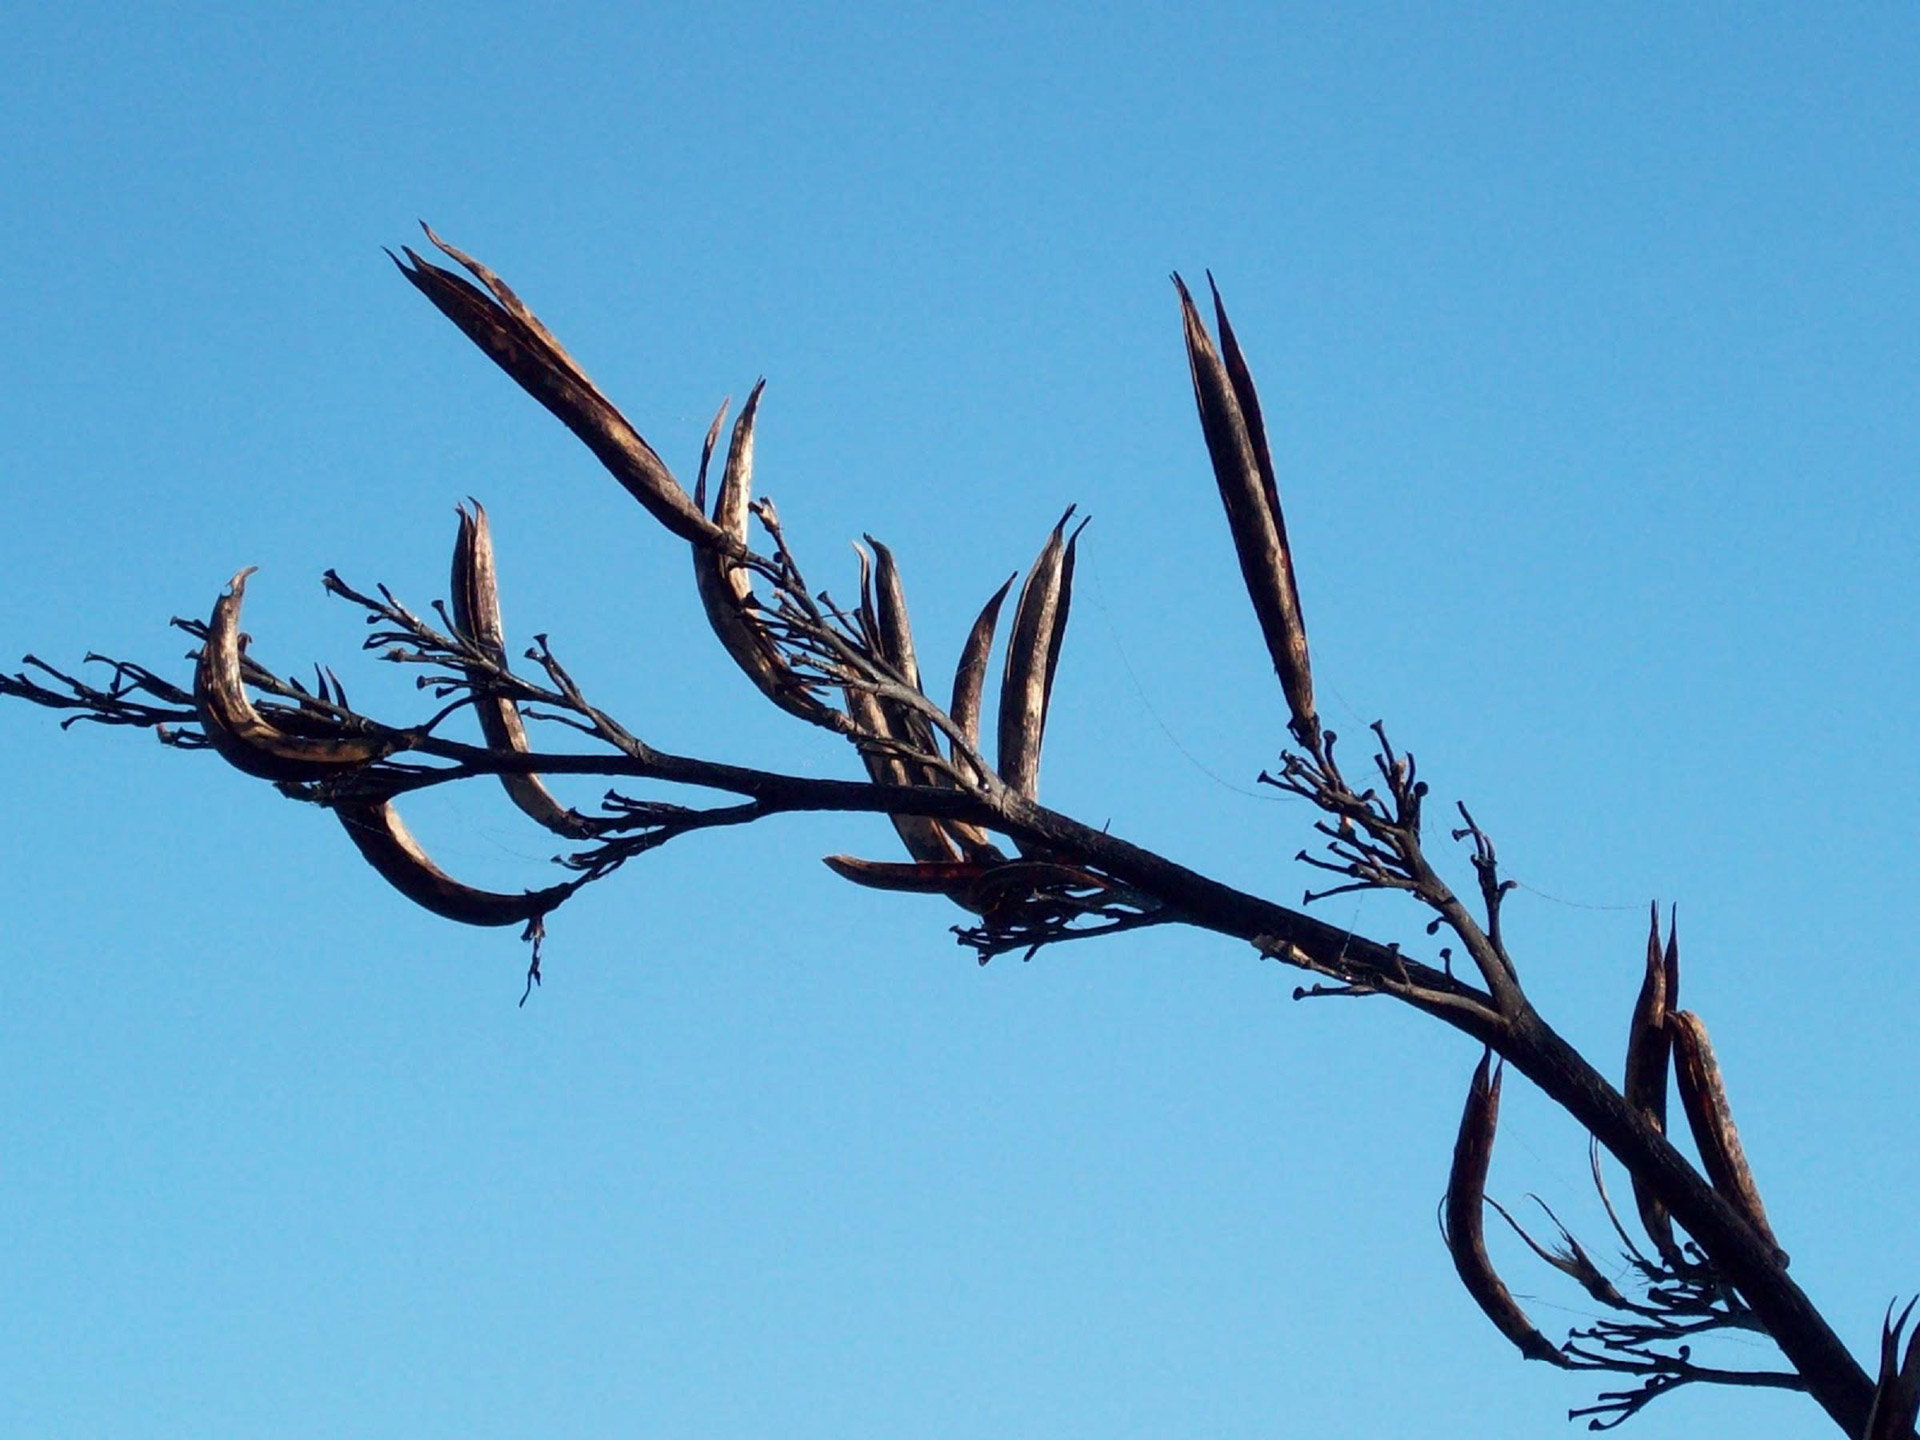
(377, 832)
(1031, 651)
(917, 878)
(1704, 1097)
(726, 589)
(1649, 1048)
(1896, 1398)
(245, 738)
(969, 677)
(1242, 466)
(515, 340)
(1464, 1229)
(476, 611)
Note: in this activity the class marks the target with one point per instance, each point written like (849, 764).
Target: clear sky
(1589, 339)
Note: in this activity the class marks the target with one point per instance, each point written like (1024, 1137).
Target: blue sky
(1588, 342)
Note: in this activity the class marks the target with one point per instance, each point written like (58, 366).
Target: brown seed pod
(926, 839)
(1033, 649)
(476, 612)
(916, 877)
(1236, 439)
(969, 677)
(515, 340)
(1704, 1097)
(726, 587)
(887, 604)
(1464, 1228)
(1649, 1048)
(883, 730)
(245, 738)
(1896, 1396)
(377, 832)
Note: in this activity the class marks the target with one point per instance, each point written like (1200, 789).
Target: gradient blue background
(1589, 345)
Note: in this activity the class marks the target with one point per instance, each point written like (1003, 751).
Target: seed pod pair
(888, 606)
(726, 589)
(1463, 1224)
(514, 339)
(884, 727)
(247, 739)
(1242, 465)
(476, 613)
(1649, 1047)
(1896, 1397)
(1704, 1097)
(377, 832)
(1033, 654)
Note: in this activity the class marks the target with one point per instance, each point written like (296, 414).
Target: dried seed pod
(969, 677)
(883, 731)
(896, 631)
(377, 832)
(1704, 1098)
(1464, 1229)
(887, 604)
(926, 839)
(249, 741)
(515, 340)
(476, 611)
(726, 587)
(1896, 1396)
(1236, 439)
(1649, 1048)
(917, 877)
(1026, 682)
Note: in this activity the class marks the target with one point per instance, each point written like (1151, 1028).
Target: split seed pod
(726, 588)
(512, 337)
(886, 722)
(248, 740)
(888, 606)
(1243, 467)
(1896, 1398)
(1464, 1224)
(1704, 1097)
(377, 832)
(1649, 1048)
(1033, 654)
(476, 611)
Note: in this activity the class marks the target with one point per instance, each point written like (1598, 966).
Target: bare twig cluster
(973, 831)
